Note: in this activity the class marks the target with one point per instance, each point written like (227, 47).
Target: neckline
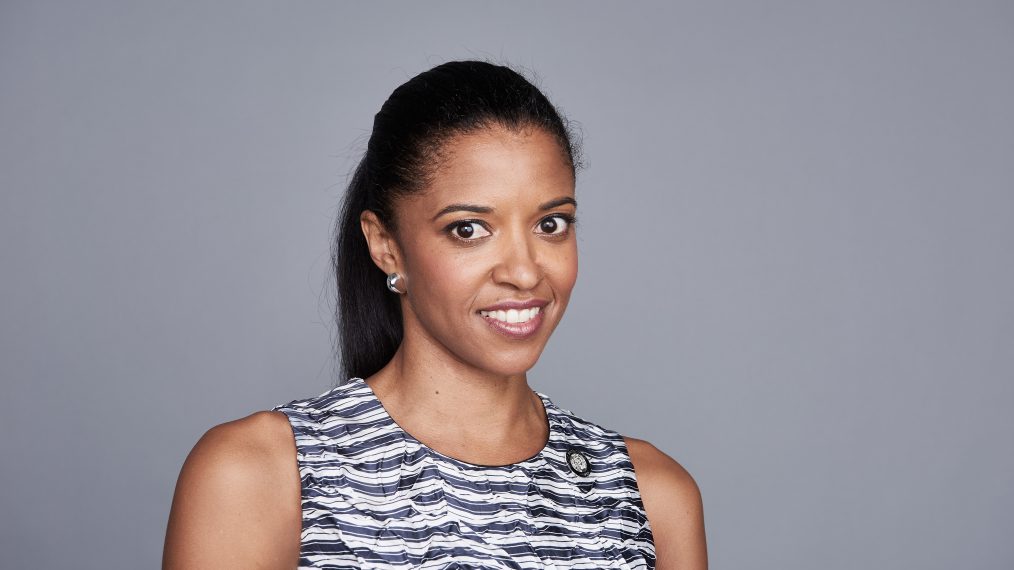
(547, 406)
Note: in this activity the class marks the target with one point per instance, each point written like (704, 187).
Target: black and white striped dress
(375, 497)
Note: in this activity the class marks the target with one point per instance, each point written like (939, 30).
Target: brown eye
(466, 230)
(555, 225)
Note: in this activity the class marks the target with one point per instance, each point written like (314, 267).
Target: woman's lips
(517, 331)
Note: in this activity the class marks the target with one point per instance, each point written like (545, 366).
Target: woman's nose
(518, 264)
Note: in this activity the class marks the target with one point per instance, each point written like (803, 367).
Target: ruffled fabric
(375, 497)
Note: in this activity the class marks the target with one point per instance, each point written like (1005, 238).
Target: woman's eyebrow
(486, 209)
(558, 202)
(463, 208)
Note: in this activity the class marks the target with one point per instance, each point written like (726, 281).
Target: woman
(455, 257)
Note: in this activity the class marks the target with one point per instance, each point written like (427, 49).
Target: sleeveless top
(375, 497)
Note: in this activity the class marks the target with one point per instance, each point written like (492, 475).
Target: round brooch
(578, 462)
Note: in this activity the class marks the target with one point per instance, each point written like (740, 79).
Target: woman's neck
(457, 410)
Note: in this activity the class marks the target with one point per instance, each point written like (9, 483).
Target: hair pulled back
(403, 151)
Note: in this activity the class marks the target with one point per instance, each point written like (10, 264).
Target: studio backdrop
(796, 253)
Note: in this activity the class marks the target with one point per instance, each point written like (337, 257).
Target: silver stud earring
(391, 280)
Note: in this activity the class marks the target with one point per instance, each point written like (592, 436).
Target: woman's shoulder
(262, 440)
(246, 450)
(237, 499)
(655, 468)
(672, 501)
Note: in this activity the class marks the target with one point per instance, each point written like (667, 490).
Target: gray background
(796, 253)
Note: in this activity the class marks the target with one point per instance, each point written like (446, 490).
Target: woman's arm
(673, 504)
(237, 501)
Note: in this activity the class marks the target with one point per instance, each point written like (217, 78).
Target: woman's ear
(381, 243)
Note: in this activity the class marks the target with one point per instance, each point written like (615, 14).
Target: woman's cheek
(450, 271)
(567, 270)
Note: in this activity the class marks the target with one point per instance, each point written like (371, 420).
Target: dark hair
(421, 115)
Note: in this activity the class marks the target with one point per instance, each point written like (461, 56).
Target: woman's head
(461, 133)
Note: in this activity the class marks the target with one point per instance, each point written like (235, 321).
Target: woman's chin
(510, 364)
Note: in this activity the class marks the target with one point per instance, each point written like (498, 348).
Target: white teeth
(512, 315)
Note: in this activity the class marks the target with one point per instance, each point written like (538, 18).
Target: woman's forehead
(497, 166)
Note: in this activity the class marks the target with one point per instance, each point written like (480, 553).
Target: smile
(512, 315)
(513, 323)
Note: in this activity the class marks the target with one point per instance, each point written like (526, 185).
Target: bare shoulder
(237, 500)
(656, 472)
(672, 501)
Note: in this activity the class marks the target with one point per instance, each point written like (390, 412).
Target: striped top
(375, 497)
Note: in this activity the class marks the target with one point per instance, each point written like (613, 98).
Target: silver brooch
(578, 462)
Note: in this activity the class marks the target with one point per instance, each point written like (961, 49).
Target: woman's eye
(556, 225)
(467, 230)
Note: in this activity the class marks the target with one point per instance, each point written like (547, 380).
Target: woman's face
(492, 227)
